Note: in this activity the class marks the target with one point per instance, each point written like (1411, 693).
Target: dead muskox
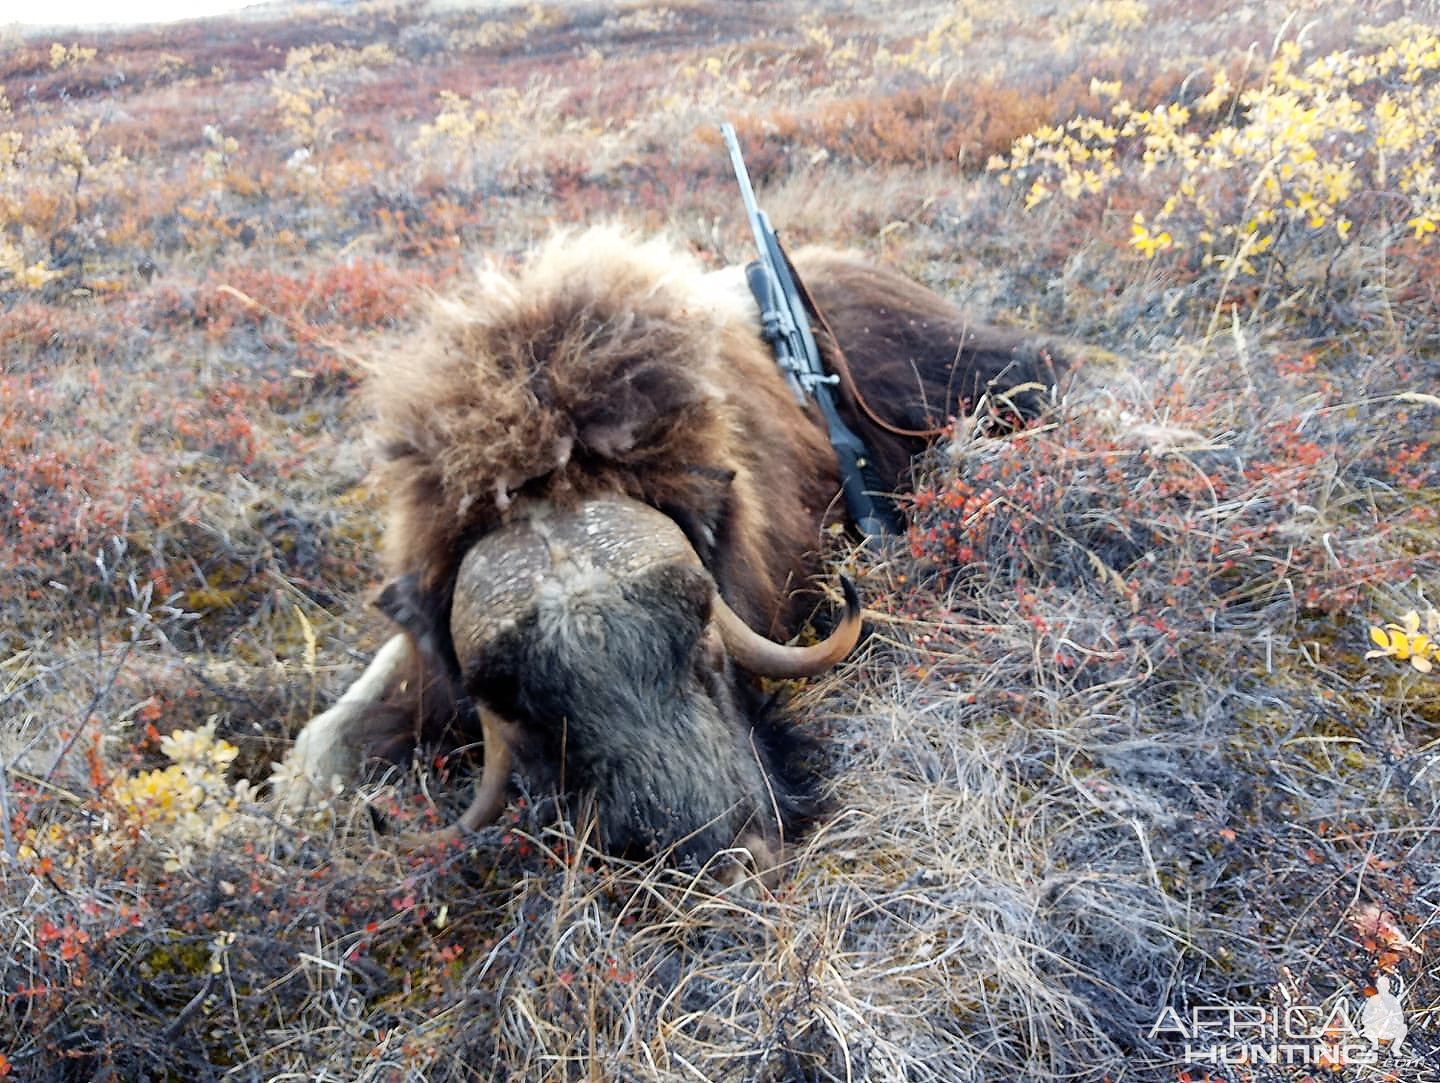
(603, 498)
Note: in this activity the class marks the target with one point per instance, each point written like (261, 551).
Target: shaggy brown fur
(916, 359)
(607, 367)
(611, 366)
(603, 366)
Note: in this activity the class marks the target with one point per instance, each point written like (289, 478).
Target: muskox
(604, 501)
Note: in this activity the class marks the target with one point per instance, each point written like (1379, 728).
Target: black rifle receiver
(785, 324)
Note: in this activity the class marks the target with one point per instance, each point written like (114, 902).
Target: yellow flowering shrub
(1300, 158)
(942, 51)
(19, 272)
(305, 90)
(838, 55)
(183, 806)
(497, 132)
(514, 28)
(929, 54)
(72, 56)
(52, 181)
(220, 151)
(188, 803)
(462, 120)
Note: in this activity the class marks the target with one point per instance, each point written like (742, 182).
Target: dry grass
(1112, 747)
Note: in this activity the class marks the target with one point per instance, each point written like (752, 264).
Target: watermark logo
(1335, 1035)
(1383, 1019)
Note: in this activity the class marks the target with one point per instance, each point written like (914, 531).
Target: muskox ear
(423, 614)
(700, 505)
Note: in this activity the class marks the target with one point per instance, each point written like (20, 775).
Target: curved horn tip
(766, 658)
(491, 788)
(851, 626)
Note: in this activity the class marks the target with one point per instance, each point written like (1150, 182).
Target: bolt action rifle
(785, 324)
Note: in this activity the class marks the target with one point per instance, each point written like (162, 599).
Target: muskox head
(601, 657)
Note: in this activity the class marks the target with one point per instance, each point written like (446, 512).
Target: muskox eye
(494, 677)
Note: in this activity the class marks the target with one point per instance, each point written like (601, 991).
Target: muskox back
(916, 360)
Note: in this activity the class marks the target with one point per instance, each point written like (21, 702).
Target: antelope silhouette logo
(1383, 1019)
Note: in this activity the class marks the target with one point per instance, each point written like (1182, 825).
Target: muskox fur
(916, 360)
(608, 365)
(605, 366)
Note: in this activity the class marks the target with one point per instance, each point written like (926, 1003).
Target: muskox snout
(604, 659)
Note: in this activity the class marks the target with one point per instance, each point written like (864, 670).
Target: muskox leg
(767, 859)
(327, 751)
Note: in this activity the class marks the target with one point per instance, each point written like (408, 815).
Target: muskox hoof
(326, 756)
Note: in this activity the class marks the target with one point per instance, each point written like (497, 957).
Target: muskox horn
(549, 548)
(497, 584)
(490, 790)
(501, 574)
(766, 658)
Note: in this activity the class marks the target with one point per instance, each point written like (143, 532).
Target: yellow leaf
(1399, 643)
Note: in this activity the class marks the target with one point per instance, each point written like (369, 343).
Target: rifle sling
(840, 364)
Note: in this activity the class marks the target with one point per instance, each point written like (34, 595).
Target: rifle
(785, 324)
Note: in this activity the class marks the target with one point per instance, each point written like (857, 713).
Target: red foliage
(356, 295)
(63, 490)
(1155, 546)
